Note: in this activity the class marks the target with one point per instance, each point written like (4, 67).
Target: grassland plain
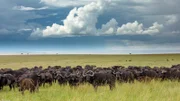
(18, 61)
(151, 91)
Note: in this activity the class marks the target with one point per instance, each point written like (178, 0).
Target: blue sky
(89, 26)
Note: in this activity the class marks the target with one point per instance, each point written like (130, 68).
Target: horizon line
(25, 54)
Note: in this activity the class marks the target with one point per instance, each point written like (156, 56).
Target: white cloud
(23, 8)
(130, 28)
(73, 3)
(142, 1)
(156, 28)
(171, 19)
(138, 28)
(109, 28)
(80, 20)
(62, 3)
(25, 29)
(36, 33)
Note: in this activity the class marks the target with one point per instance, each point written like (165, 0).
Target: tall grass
(150, 91)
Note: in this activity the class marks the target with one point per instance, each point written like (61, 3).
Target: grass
(18, 61)
(152, 91)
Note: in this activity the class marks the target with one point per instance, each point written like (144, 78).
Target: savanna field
(155, 90)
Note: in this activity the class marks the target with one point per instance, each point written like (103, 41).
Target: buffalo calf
(27, 84)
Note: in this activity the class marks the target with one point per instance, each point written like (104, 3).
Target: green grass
(152, 91)
(19, 61)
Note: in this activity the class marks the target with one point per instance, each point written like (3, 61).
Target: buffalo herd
(32, 78)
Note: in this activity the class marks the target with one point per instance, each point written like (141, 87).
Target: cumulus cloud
(80, 20)
(36, 33)
(130, 28)
(24, 8)
(109, 28)
(138, 28)
(156, 28)
(83, 20)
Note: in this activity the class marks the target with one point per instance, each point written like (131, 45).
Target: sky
(89, 26)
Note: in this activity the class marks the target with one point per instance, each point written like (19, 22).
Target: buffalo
(45, 78)
(27, 84)
(100, 78)
(31, 78)
(7, 79)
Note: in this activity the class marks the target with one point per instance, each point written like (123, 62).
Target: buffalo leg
(10, 86)
(43, 84)
(111, 86)
(22, 91)
(13, 86)
(50, 83)
(37, 87)
(95, 87)
(32, 90)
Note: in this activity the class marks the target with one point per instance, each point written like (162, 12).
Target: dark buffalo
(31, 75)
(125, 76)
(62, 77)
(100, 78)
(45, 78)
(74, 80)
(7, 79)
